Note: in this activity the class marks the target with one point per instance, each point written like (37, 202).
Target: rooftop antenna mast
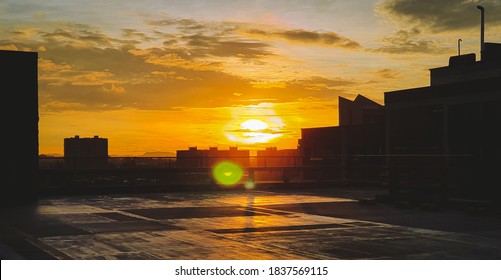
(459, 47)
(482, 21)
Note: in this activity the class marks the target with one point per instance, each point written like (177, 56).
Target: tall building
(195, 158)
(455, 122)
(19, 80)
(86, 152)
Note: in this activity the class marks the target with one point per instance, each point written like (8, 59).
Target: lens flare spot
(249, 185)
(227, 173)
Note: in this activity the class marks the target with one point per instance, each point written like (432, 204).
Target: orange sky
(165, 75)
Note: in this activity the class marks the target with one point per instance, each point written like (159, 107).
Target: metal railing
(126, 171)
(436, 176)
(163, 170)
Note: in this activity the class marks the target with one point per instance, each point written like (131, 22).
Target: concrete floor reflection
(248, 225)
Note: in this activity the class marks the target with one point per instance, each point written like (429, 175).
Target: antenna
(482, 23)
(459, 47)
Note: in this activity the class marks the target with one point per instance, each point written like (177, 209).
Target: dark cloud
(197, 30)
(241, 49)
(200, 40)
(442, 15)
(202, 45)
(308, 37)
(210, 39)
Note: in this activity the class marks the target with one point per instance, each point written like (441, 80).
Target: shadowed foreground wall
(19, 91)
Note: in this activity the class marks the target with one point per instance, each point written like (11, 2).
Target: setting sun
(257, 131)
(254, 125)
(254, 131)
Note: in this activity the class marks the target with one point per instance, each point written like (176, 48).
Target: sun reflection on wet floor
(229, 225)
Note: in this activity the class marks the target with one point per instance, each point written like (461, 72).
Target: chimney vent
(482, 23)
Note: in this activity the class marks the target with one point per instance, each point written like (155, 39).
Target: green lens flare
(227, 173)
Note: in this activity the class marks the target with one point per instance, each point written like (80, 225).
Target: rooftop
(327, 224)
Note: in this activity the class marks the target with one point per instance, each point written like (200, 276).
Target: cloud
(202, 45)
(321, 83)
(133, 33)
(198, 30)
(65, 34)
(113, 88)
(386, 74)
(56, 106)
(9, 47)
(201, 39)
(189, 24)
(23, 33)
(330, 39)
(409, 41)
(443, 15)
(84, 68)
(166, 58)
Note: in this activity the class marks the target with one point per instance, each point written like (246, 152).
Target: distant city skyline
(165, 75)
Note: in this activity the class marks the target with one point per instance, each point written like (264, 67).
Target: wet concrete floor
(242, 225)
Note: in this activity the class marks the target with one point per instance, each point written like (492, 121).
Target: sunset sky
(162, 75)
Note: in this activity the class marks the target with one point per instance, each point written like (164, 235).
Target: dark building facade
(271, 156)
(19, 81)
(195, 158)
(361, 110)
(86, 152)
(450, 130)
(347, 147)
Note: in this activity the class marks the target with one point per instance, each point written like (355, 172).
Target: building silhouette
(273, 157)
(195, 158)
(361, 110)
(361, 131)
(19, 80)
(451, 129)
(85, 152)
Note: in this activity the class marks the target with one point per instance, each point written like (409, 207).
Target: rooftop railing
(398, 172)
